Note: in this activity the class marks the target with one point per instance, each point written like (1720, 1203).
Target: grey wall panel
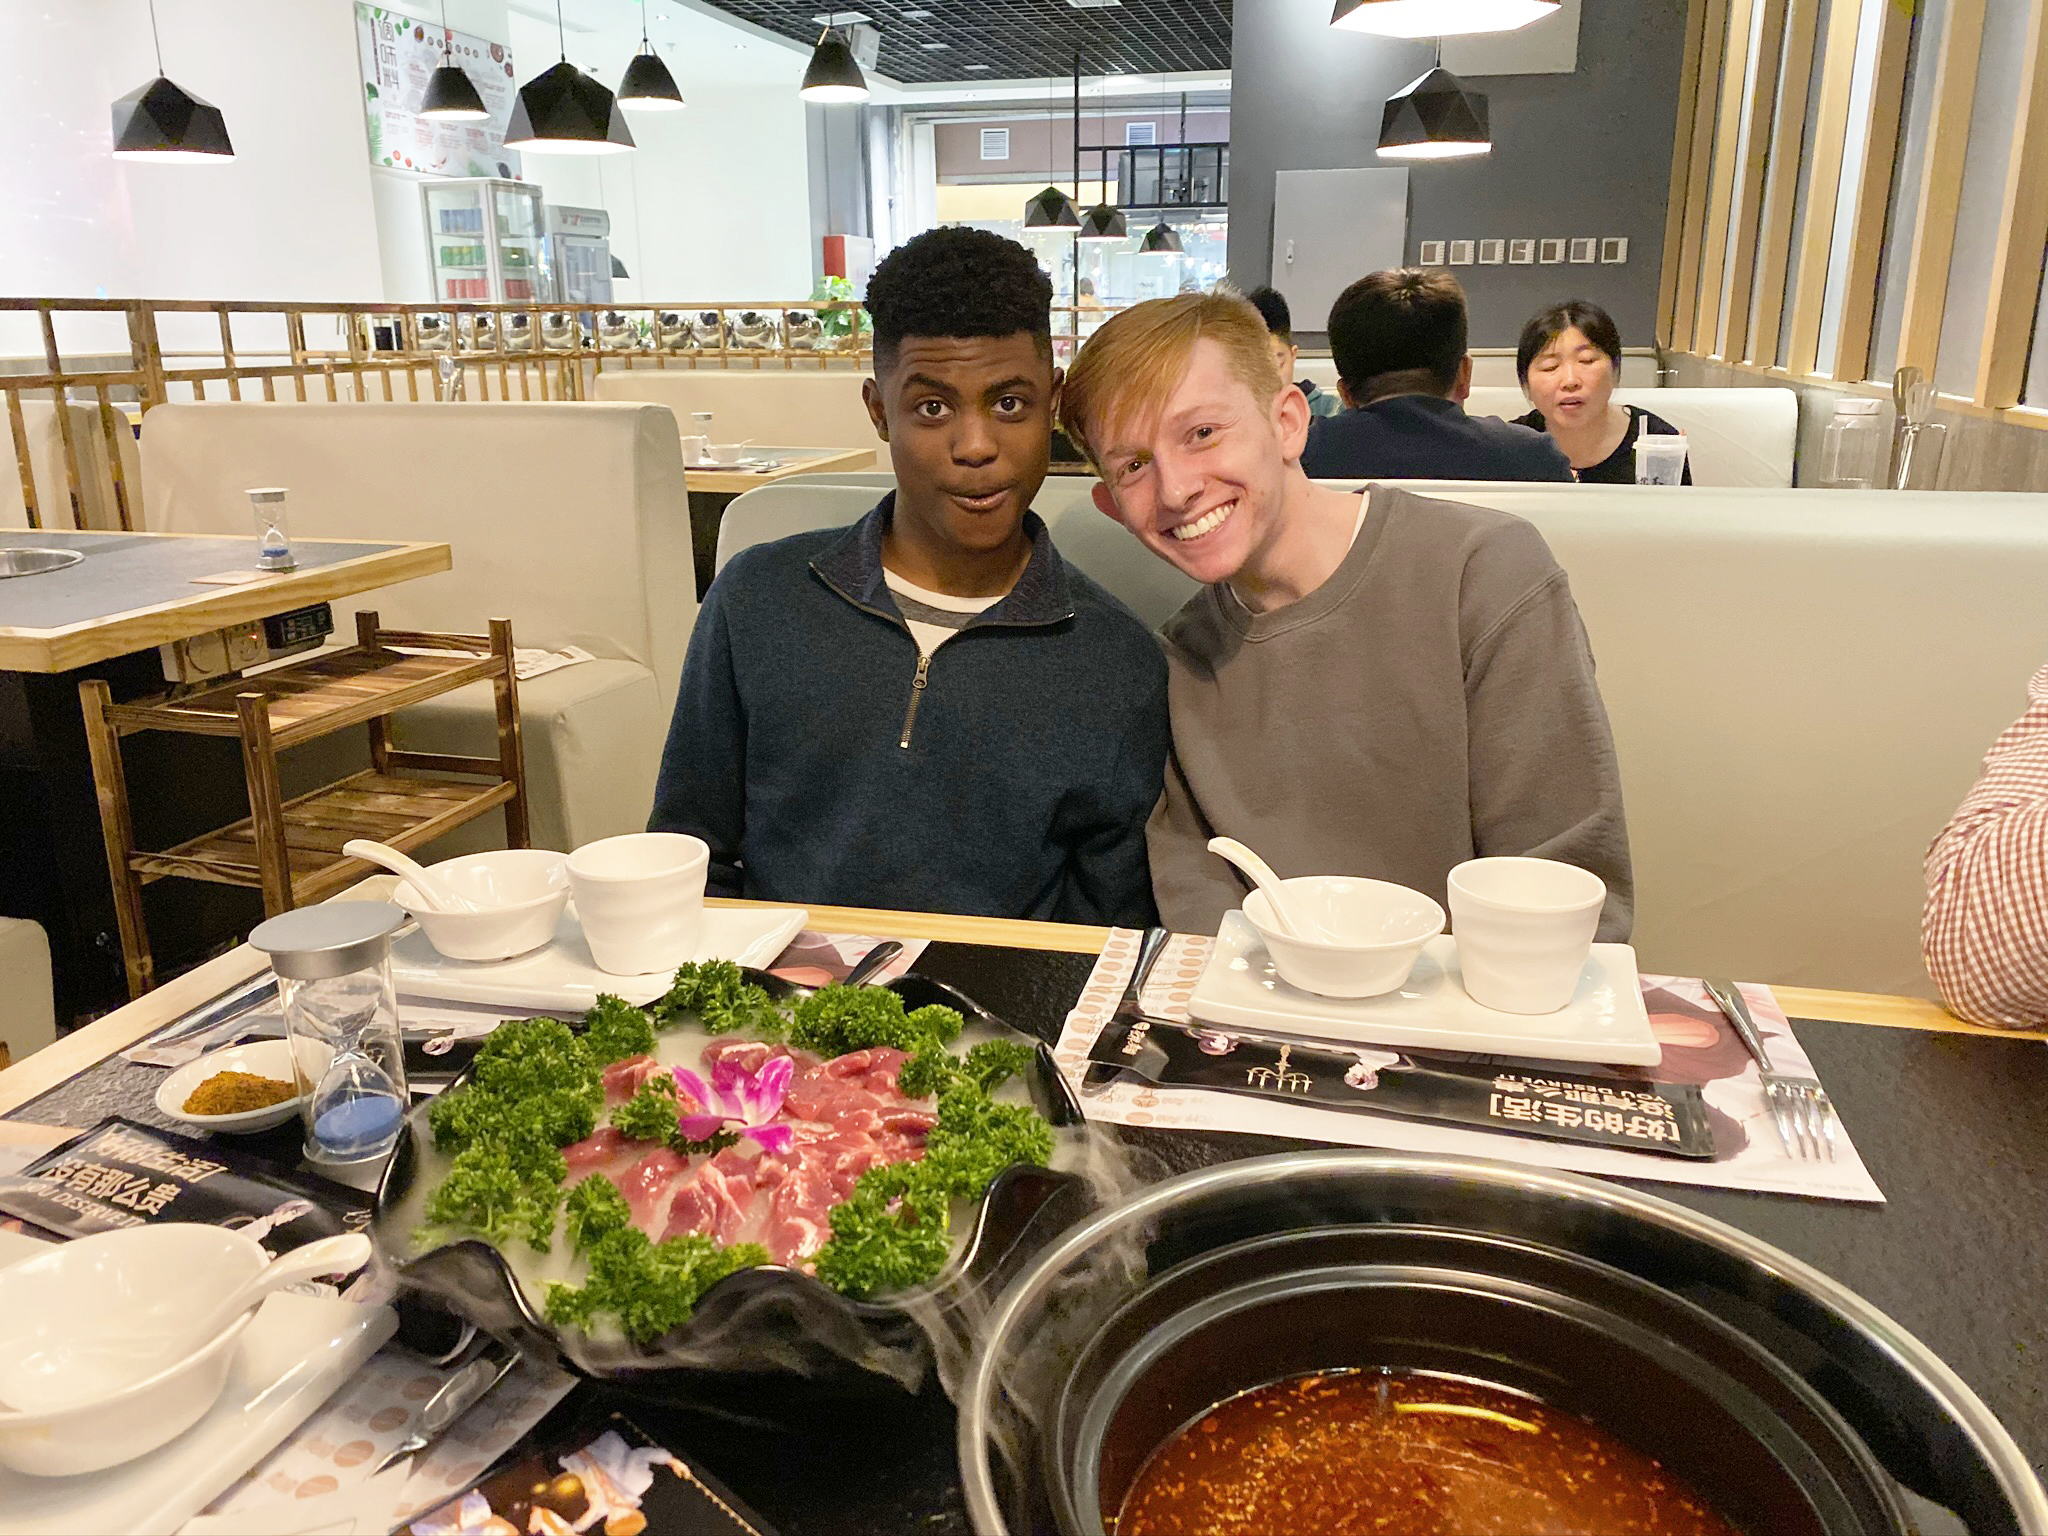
(1584, 154)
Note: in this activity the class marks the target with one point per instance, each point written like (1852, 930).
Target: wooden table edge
(710, 479)
(80, 645)
(85, 1047)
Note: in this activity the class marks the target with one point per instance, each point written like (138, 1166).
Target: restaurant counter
(1949, 1120)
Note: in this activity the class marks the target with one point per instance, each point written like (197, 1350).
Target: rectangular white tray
(1605, 1021)
(562, 977)
(293, 1357)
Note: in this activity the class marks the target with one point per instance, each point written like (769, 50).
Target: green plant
(837, 323)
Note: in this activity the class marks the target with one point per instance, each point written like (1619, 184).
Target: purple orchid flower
(737, 1099)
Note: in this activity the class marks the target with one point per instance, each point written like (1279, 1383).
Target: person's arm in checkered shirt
(1984, 932)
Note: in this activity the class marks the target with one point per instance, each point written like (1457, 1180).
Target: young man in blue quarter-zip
(930, 709)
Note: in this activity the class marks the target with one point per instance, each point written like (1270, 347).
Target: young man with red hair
(1382, 685)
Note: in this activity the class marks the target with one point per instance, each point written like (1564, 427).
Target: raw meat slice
(647, 1186)
(622, 1079)
(752, 1055)
(605, 1150)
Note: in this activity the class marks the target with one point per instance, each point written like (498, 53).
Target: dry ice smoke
(1106, 1172)
(1068, 1315)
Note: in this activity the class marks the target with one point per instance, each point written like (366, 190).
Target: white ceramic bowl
(1381, 928)
(265, 1058)
(725, 453)
(123, 1289)
(525, 888)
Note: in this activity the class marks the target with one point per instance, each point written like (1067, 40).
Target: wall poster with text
(399, 54)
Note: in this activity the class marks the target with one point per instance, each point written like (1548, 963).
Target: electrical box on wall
(1328, 227)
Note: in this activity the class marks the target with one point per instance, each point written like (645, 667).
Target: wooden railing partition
(189, 349)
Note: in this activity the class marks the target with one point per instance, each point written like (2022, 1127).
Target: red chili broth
(1392, 1454)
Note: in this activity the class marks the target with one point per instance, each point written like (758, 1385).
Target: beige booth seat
(778, 407)
(98, 507)
(1735, 437)
(1802, 686)
(563, 518)
(28, 1017)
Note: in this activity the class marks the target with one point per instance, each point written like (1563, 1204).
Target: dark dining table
(1952, 1124)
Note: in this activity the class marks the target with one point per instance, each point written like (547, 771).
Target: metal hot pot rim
(1132, 1322)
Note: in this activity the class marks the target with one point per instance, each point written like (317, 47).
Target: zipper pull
(917, 687)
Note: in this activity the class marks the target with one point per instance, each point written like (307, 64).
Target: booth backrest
(1150, 587)
(1736, 437)
(91, 426)
(1802, 686)
(567, 519)
(1494, 366)
(775, 406)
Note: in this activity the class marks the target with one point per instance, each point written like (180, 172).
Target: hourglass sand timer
(333, 965)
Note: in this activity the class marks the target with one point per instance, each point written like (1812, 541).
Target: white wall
(289, 218)
(713, 207)
(714, 203)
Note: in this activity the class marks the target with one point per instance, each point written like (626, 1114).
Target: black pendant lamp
(1160, 240)
(1435, 117)
(450, 94)
(1439, 18)
(834, 75)
(647, 84)
(1104, 222)
(163, 122)
(565, 112)
(1051, 209)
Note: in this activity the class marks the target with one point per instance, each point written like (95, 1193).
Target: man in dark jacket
(1398, 338)
(930, 709)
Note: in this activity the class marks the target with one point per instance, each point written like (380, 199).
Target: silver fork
(1800, 1107)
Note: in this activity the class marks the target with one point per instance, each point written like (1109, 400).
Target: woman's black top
(1619, 467)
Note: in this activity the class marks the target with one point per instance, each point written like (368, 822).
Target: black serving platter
(774, 1341)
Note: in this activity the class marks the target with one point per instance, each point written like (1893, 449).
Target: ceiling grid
(933, 40)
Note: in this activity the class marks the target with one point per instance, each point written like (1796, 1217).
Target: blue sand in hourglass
(357, 1111)
(358, 1127)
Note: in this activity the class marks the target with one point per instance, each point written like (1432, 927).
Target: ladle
(1294, 923)
(95, 1371)
(430, 887)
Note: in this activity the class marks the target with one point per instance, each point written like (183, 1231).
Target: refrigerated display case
(486, 240)
(579, 255)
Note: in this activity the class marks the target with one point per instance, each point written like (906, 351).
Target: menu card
(125, 1174)
(1699, 1047)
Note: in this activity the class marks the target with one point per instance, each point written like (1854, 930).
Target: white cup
(695, 451)
(1660, 458)
(1524, 928)
(640, 899)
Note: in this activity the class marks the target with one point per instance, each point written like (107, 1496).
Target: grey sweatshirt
(1433, 701)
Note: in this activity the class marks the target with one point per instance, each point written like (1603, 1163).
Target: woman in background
(1568, 362)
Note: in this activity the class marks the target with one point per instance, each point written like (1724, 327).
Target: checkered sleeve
(1984, 931)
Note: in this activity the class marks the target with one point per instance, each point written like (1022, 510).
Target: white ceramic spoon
(1295, 924)
(430, 887)
(27, 1391)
